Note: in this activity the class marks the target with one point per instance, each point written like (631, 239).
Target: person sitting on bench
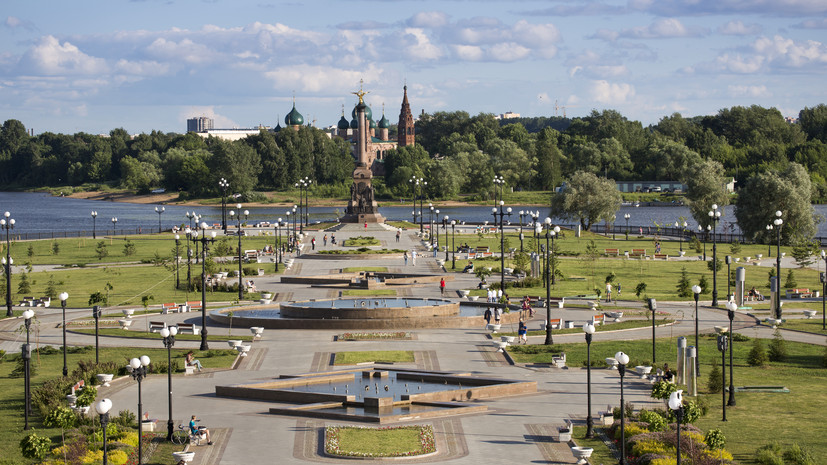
(469, 268)
(199, 430)
(667, 373)
(192, 361)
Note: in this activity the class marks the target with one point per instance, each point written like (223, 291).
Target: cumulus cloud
(428, 19)
(663, 28)
(583, 8)
(50, 57)
(362, 25)
(307, 78)
(185, 50)
(419, 46)
(738, 28)
(611, 93)
(767, 54)
(13, 22)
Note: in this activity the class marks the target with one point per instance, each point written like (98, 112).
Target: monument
(362, 207)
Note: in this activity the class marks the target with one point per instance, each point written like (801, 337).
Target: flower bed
(382, 336)
(362, 441)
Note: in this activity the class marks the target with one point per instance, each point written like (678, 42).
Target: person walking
(522, 331)
(498, 314)
(325, 240)
(405, 256)
(618, 290)
(398, 233)
(313, 243)
(608, 292)
(413, 257)
(487, 316)
(442, 286)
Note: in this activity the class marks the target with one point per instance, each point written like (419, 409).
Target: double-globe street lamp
(205, 242)
(177, 262)
(499, 183)
(63, 298)
(588, 328)
(502, 214)
(168, 334)
(622, 360)
(7, 224)
(419, 185)
(138, 370)
(522, 213)
(696, 291)
(278, 244)
(777, 222)
(223, 185)
(240, 216)
(731, 307)
(159, 211)
(445, 227)
(722, 346)
(453, 245)
(27, 355)
(626, 217)
(551, 232)
(94, 220)
(682, 227)
(715, 216)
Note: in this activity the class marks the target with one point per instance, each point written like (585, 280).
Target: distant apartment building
(199, 124)
(508, 115)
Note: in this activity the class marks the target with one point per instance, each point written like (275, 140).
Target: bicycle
(182, 436)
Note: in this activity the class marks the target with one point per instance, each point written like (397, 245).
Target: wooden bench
(194, 304)
(597, 320)
(169, 307)
(661, 256)
(188, 328)
(798, 293)
(555, 323)
(481, 249)
(638, 253)
(614, 252)
(156, 326)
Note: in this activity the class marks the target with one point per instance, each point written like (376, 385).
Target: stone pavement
(517, 429)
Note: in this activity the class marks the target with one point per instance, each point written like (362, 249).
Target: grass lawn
(356, 269)
(810, 326)
(627, 324)
(402, 224)
(361, 241)
(352, 358)
(368, 292)
(50, 366)
(133, 334)
(758, 418)
(379, 442)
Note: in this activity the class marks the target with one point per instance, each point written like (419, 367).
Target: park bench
(156, 326)
(638, 253)
(555, 323)
(169, 307)
(194, 305)
(251, 255)
(614, 252)
(188, 328)
(559, 360)
(607, 416)
(27, 302)
(661, 256)
(481, 249)
(798, 293)
(597, 320)
(565, 431)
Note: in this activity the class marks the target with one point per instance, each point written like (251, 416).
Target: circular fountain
(364, 313)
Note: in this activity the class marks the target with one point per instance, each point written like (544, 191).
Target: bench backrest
(169, 305)
(639, 250)
(194, 303)
(611, 250)
(185, 325)
(157, 323)
(554, 321)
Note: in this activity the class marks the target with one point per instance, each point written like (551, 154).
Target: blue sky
(96, 65)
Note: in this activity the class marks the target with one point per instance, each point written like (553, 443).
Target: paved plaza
(521, 429)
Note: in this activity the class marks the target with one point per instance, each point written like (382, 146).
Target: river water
(40, 214)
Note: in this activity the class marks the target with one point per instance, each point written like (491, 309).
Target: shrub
(715, 439)
(86, 396)
(60, 417)
(757, 355)
(117, 457)
(714, 383)
(738, 337)
(663, 389)
(655, 420)
(651, 446)
(34, 446)
(790, 282)
(640, 289)
(631, 429)
(684, 286)
(778, 348)
(704, 285)
(126, 419)
(51, 394)
(769, 454)
(795, 455)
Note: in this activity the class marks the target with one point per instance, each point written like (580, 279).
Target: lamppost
(63, 297)
(728, 261)
(535, 215)
(715, 215)
(295, 234)
(769, 241)
(94, 220)
(287, 229)
(27, 355)
(177, 262)
(239, 217)
(622, 360)
(676, 404)
(169, 340)
(196, 217)
(159, 211)
(102, 407)
(653, 306)
(8, 224)
(278, 244)
(97, 311)
(306, 201)
(502, 213)
(223, 184)
(453, 244)
(680, 237)
(499, 182)
(588, 328)
(445, 227)
(627, 216)
(522, 212)
(418, 184)
(431, 224)
(436, 224)
(696, 290)
(722, 346)
(824, 291)
(139, 371)
(187, 234)
(778, 222)
(614, 219)
(114, 222)
(205, 241)
(731, 307)
(550, 233)
(303, 184)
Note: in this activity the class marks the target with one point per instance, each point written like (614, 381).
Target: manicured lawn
(379, 442)
(50, 366)
(361, 241)
(356, 269)
(368, 292)
(627, 324)
(133, 334)
(352, 358)
(811, 326)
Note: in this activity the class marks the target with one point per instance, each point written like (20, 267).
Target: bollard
(680, 371)
(691, 374)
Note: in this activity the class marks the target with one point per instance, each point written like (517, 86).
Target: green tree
(101, 250)
(587, 199)
(757, 354)
(128, 248)
(705, 187)
(703, 284)
(714, 383)
(790, 282)
(51, 287)
(813, 122)
(55, 248)
(684, 286)
(803, 252)
(24, 286)
(35, 447)
(777, 348)
(238, 163)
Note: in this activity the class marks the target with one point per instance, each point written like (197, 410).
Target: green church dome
(343, 124)
(384, 123)
(368, 113)
(294, 118)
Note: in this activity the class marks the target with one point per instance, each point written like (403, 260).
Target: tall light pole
(278, 244)
(823, 277)
(769, 240)
(239, 217)
(622, 360)
(588, 328)
(435, 224)
(295, 233)
(27, 355)
(418, 188)
(102, 407)
(169, 340)
(445, 227)
(722, 346)
(550, 233)
(187, 234)
(731, 307)
(502, 213)
(715, 216)
(177, 262)
(139, 371)
(680, 237)
(627, 216)
(97, 312)
(8, 224)
(223, 185)
(499, 182)
(205, 241)
(778, 222)
(522, 212)
(696, 290)
(453, 245)
(728, 261)
(94, 218)
(431, 224)
(159, 211)
(676, 404)
(114, 222)
(63, 297)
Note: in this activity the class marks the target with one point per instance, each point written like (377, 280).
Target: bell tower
(406, 135)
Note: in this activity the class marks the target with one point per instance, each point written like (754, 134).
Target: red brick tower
(406, 130)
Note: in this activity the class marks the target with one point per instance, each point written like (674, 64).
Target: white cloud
(50, 57)
(468, 52)
(739, 64)
(743, 7)
(419, 46)
(428, 19)
(611, 93)
(738, 28)
(307, 78)
(142, 68)
(748, 91)
(663, 28)
(508, 52)
(770, 54)
(185, 50)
